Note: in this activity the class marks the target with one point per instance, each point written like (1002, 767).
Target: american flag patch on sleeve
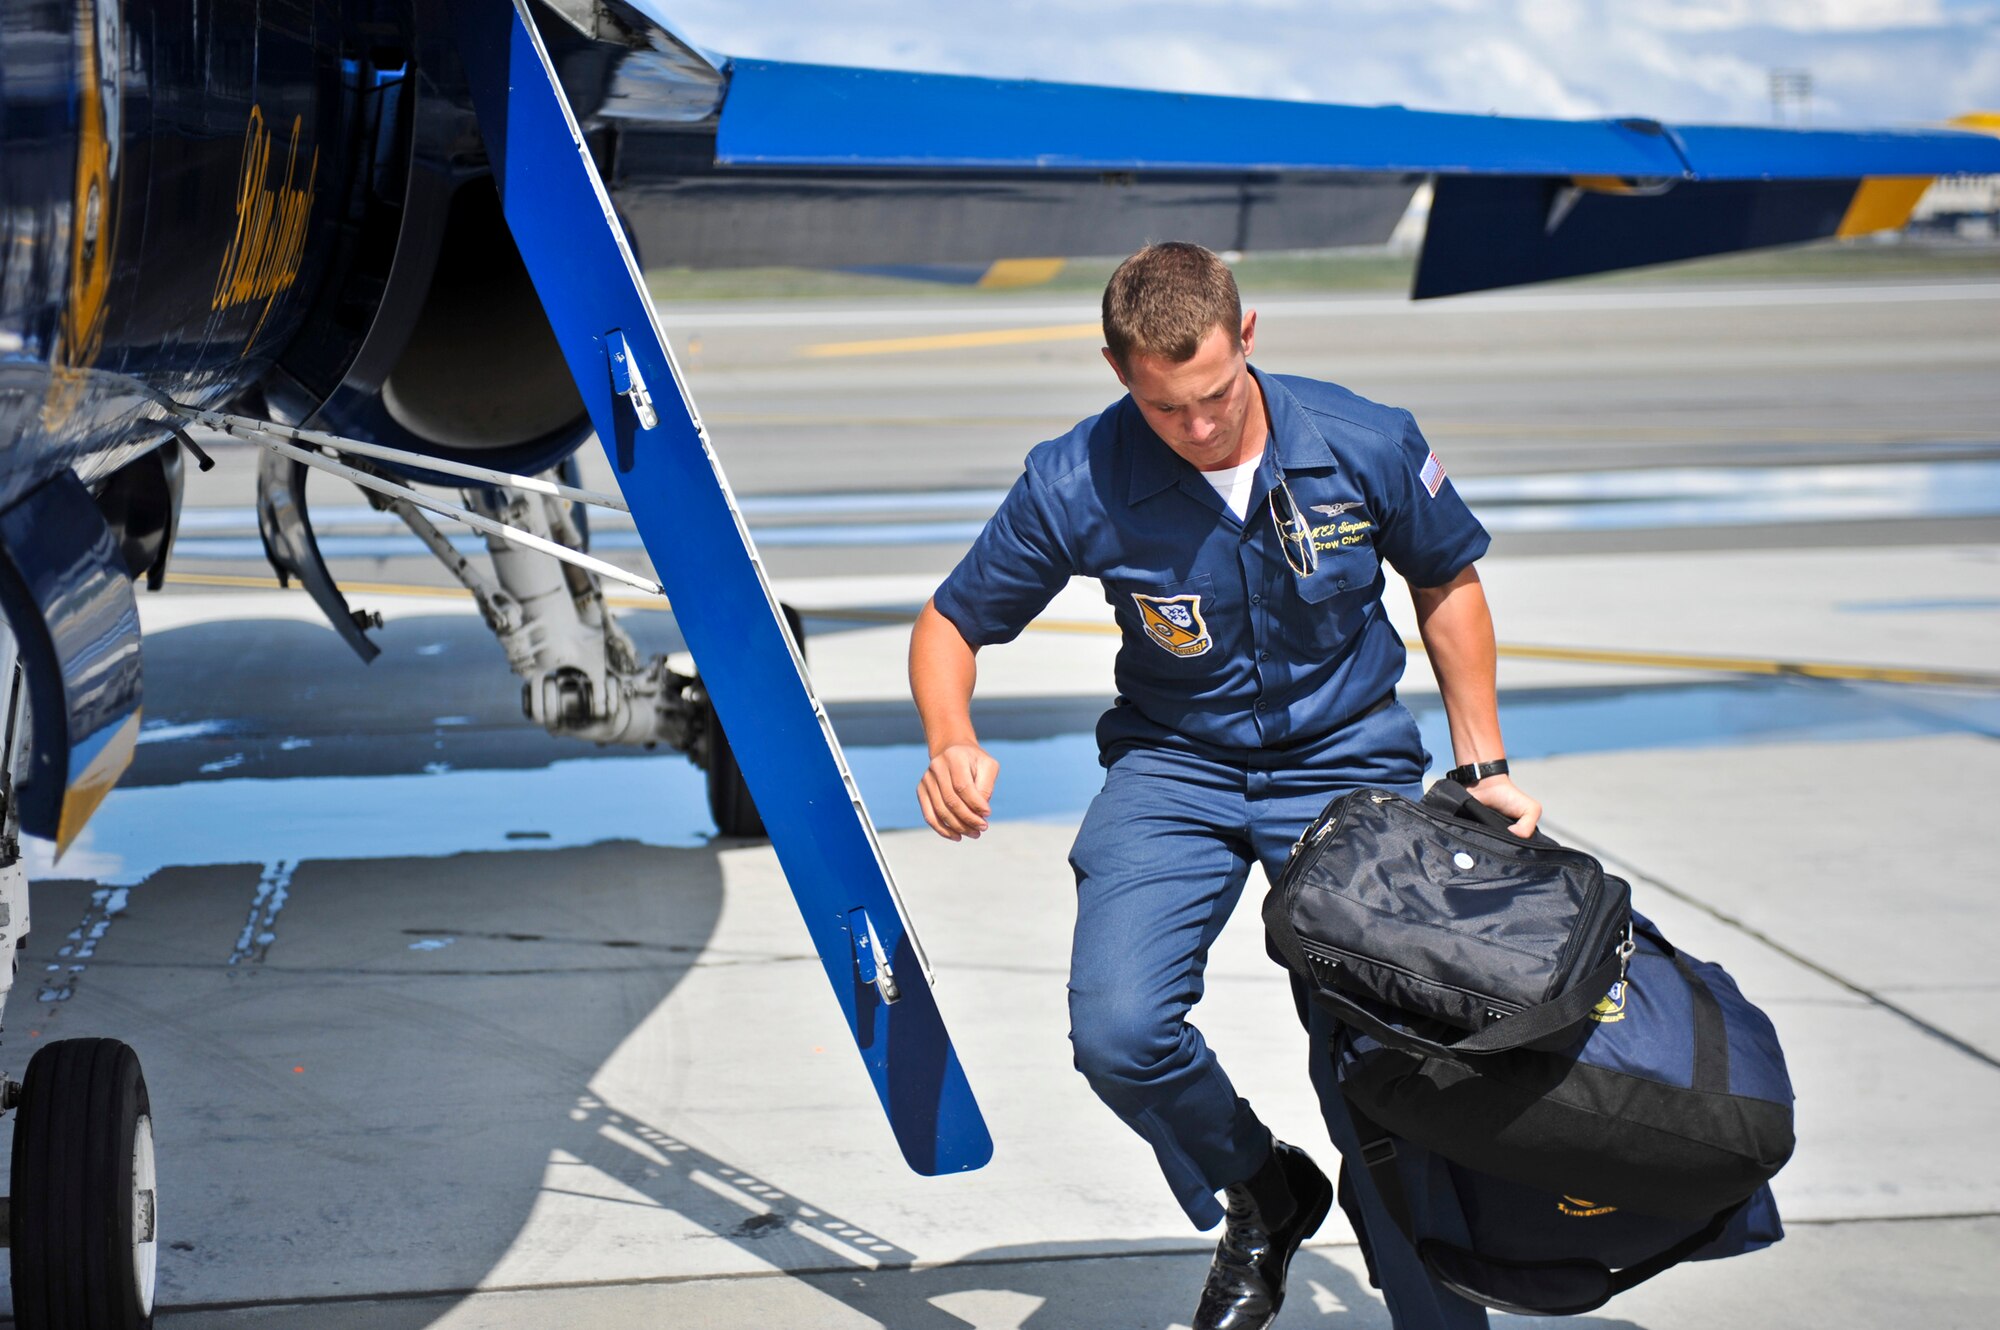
(1432, 475)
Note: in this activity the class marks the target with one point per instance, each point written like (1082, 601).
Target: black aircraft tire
(729, 801)
(82, 1145)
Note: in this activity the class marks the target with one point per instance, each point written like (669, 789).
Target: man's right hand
(956, 791)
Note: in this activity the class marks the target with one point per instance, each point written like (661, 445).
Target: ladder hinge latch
(627, 380)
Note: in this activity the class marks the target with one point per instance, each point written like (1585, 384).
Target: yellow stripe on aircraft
(882, 346)
(1982, 122)
(1007, 273)
(1604, 184)
(87, 788)
(1882, 203)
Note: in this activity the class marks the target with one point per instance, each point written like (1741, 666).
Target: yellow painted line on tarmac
(1005, 274)
(362, 588)
(1568, 655)
(881, 346)
(1658, 660)
(1804, 669)
(236, 581)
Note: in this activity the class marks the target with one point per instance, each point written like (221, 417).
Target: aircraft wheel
(83, 1221)
(729, 801)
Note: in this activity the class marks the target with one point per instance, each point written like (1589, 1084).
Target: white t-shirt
(1233, 484)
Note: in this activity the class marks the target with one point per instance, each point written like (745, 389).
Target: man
(1238, 522)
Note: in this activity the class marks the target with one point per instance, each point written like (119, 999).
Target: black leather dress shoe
(1268, 1217)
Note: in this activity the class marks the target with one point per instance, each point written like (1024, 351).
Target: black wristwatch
(1472, 773)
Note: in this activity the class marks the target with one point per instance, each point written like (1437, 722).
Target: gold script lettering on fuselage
(93, 223)
(263, 258)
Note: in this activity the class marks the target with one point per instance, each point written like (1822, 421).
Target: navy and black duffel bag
(1585, 1159)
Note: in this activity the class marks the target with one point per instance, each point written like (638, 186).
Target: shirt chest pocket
(1328, 608)
(1175, 618)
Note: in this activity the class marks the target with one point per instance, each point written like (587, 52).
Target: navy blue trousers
(1160, 863)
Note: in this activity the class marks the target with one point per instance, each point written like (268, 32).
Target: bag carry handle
(1454, 800)
(1378, 1152)
(1525, 1027)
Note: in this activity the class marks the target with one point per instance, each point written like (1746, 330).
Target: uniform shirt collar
(1296, 443)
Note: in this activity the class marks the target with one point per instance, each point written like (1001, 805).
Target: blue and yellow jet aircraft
(401, 240)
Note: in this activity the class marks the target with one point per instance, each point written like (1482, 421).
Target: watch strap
(1473, 772)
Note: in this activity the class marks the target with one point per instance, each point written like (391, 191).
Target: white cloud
(1873, 61)
(1803, 15)
(1506, 73)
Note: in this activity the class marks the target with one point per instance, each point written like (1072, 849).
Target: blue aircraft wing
(590, 287)
(827, 165)
(795, 115)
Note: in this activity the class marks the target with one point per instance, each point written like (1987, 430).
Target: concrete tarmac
(448, 1024)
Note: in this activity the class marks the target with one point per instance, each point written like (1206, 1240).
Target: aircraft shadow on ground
(445, 1081)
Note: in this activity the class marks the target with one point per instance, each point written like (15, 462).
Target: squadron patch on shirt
(1174, 623)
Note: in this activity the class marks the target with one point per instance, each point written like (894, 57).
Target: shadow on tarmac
(1063, 1286)
(452, 1014)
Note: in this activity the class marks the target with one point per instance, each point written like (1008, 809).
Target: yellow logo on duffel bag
(1578, 1208)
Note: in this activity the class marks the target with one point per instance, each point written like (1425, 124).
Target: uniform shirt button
(1256, 600)
(1263, 655)
(1260, 704)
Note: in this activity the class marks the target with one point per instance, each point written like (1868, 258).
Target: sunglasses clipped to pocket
(1294, 536)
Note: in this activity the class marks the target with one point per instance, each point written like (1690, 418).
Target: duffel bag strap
(1379, 1154)
(1517, 1031)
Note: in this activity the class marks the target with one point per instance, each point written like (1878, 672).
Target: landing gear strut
(581, 675)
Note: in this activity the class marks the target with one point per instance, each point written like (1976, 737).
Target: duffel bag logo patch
(1610, 1008)
(1577, 1208)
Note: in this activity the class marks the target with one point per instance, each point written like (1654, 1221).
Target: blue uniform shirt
(1223, 643)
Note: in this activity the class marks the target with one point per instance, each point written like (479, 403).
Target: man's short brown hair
(1163, 300)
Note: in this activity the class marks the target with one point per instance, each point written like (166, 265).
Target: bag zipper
(1497, 1008)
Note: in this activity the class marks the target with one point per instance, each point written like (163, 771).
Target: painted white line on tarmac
(74, 956)
(260, 929)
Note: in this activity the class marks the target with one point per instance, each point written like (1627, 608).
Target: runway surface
(448, 1023)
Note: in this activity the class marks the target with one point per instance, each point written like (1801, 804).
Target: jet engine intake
(481, 370)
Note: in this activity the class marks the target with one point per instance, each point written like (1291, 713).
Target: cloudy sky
(1872, 61)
